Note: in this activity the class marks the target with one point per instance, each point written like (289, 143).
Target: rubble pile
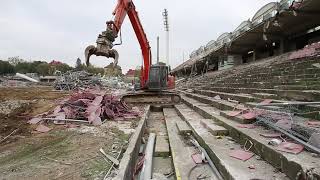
(75, 79)
(89, 106)
(113, 82)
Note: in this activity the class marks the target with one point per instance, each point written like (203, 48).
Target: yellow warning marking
(178, 176)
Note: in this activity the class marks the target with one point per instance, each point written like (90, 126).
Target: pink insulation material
(92, 106)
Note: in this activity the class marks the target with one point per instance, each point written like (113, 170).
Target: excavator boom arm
(105, 39)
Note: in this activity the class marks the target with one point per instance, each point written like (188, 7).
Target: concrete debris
(113, 82)
(315, 140)
(75, 79)
(275, 142)
(217, 97)
(317, 65)
(72, 80)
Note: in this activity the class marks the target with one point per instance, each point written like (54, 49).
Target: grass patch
(52, 146)
(95, 169)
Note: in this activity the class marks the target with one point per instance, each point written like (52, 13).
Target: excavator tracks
(161, 98)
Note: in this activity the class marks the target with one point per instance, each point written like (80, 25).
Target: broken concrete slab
(214, 129)
(162, 147)
(183, 128)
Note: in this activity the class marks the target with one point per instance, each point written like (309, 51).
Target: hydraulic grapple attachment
(104, 47)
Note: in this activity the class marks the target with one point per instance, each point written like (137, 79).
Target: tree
(63, 67)
(44, 69)
(94, 70)
(15, 60)
(78, 64)
(6, 68)
(23, 67)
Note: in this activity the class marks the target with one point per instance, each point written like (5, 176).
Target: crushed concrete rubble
(90, 106)
(73, 80)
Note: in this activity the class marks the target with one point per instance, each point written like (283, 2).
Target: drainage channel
(167, 149)
(155, 160)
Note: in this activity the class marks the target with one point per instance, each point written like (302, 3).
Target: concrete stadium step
(298, 87)
(309, 63)
(315, 85)
(294, 166)
(181, 152)
(307, 111)
(269, 73)
(264, 85)
(265, 96)
(298, 95)
(265, 76)
(221, 104)
(237, 118)
(281, 72)
(219, 149)
(183, 128)
(213, 128)
(274, 79)
(223, 95)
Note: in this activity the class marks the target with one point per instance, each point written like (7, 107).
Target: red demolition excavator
(155, 81)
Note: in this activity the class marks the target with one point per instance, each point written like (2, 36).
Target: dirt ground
(62, 153)
(20, 104)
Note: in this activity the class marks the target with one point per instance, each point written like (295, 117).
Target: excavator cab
(158, 80)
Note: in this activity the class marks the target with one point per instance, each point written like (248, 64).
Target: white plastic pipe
(147, 167)
(26, 77)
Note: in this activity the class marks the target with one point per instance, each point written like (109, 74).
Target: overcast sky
(62, 29)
